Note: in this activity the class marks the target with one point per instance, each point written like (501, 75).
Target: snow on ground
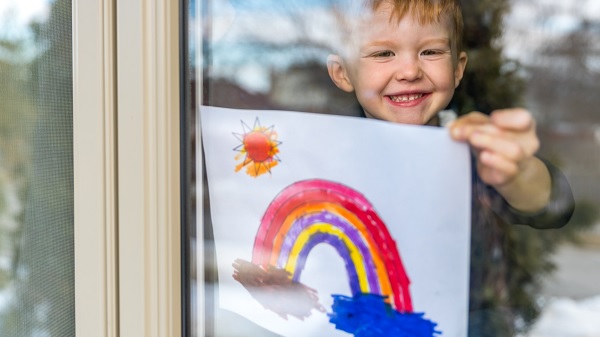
(572, 308)
(565, 317)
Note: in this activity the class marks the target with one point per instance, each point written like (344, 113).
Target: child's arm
(505, 144)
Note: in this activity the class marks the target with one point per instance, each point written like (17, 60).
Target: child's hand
(505, 143)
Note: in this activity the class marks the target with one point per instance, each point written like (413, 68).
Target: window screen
(36, 170)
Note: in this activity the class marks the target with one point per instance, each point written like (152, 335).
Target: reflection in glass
(556, 45)
(542, 55)
(36, 169)
(279, 65)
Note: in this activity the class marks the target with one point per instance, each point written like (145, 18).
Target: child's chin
(401, 118)
(409, 119)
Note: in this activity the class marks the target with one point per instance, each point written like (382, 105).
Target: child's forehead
(363, 17)
(386, 18)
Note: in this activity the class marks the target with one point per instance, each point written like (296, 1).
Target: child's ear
(337, 72)
(459, 71)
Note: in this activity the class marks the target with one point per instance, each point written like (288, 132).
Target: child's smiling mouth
(407, 98)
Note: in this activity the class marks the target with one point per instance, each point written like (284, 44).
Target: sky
(530, 25)
(16, 15)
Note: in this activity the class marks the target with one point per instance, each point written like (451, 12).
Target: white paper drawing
(338, 226)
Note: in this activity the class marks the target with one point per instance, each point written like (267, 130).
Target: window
(36, 170)
(271, 55)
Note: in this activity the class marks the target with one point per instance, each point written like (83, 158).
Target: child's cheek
(370, 94)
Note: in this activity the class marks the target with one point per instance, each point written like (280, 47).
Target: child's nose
(408, 69)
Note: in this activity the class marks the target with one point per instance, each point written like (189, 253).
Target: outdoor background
(540, 54)
(36, 169)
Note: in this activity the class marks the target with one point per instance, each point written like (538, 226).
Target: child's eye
(434, 52)
(385, 53)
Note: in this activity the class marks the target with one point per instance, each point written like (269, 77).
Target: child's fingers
(512, 144)
(474, 117)
(513, 119)
(503, 142)
(500, 158)
(503, 146)
(495, 169)
(462, 128)
(507, 120)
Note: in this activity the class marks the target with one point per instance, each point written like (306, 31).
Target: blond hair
(425, 11)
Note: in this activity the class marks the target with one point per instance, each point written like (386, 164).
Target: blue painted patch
(367, 315)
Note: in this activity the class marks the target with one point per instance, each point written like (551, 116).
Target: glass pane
(556, 45)
(543, 56)
(247, 66)
(36, 169)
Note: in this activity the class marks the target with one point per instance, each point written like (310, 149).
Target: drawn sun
(258, 150)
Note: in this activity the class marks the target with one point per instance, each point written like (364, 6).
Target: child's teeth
(406, 98)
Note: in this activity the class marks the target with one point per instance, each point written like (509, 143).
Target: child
(403, 60)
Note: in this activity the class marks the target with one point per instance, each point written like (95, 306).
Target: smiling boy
(401, 67)
(403, 60)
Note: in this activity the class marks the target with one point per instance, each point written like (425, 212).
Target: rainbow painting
(313, 212)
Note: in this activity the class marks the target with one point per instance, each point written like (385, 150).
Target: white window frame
(126, 168)
(95, 180)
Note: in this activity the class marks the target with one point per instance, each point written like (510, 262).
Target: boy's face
(401, 71)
